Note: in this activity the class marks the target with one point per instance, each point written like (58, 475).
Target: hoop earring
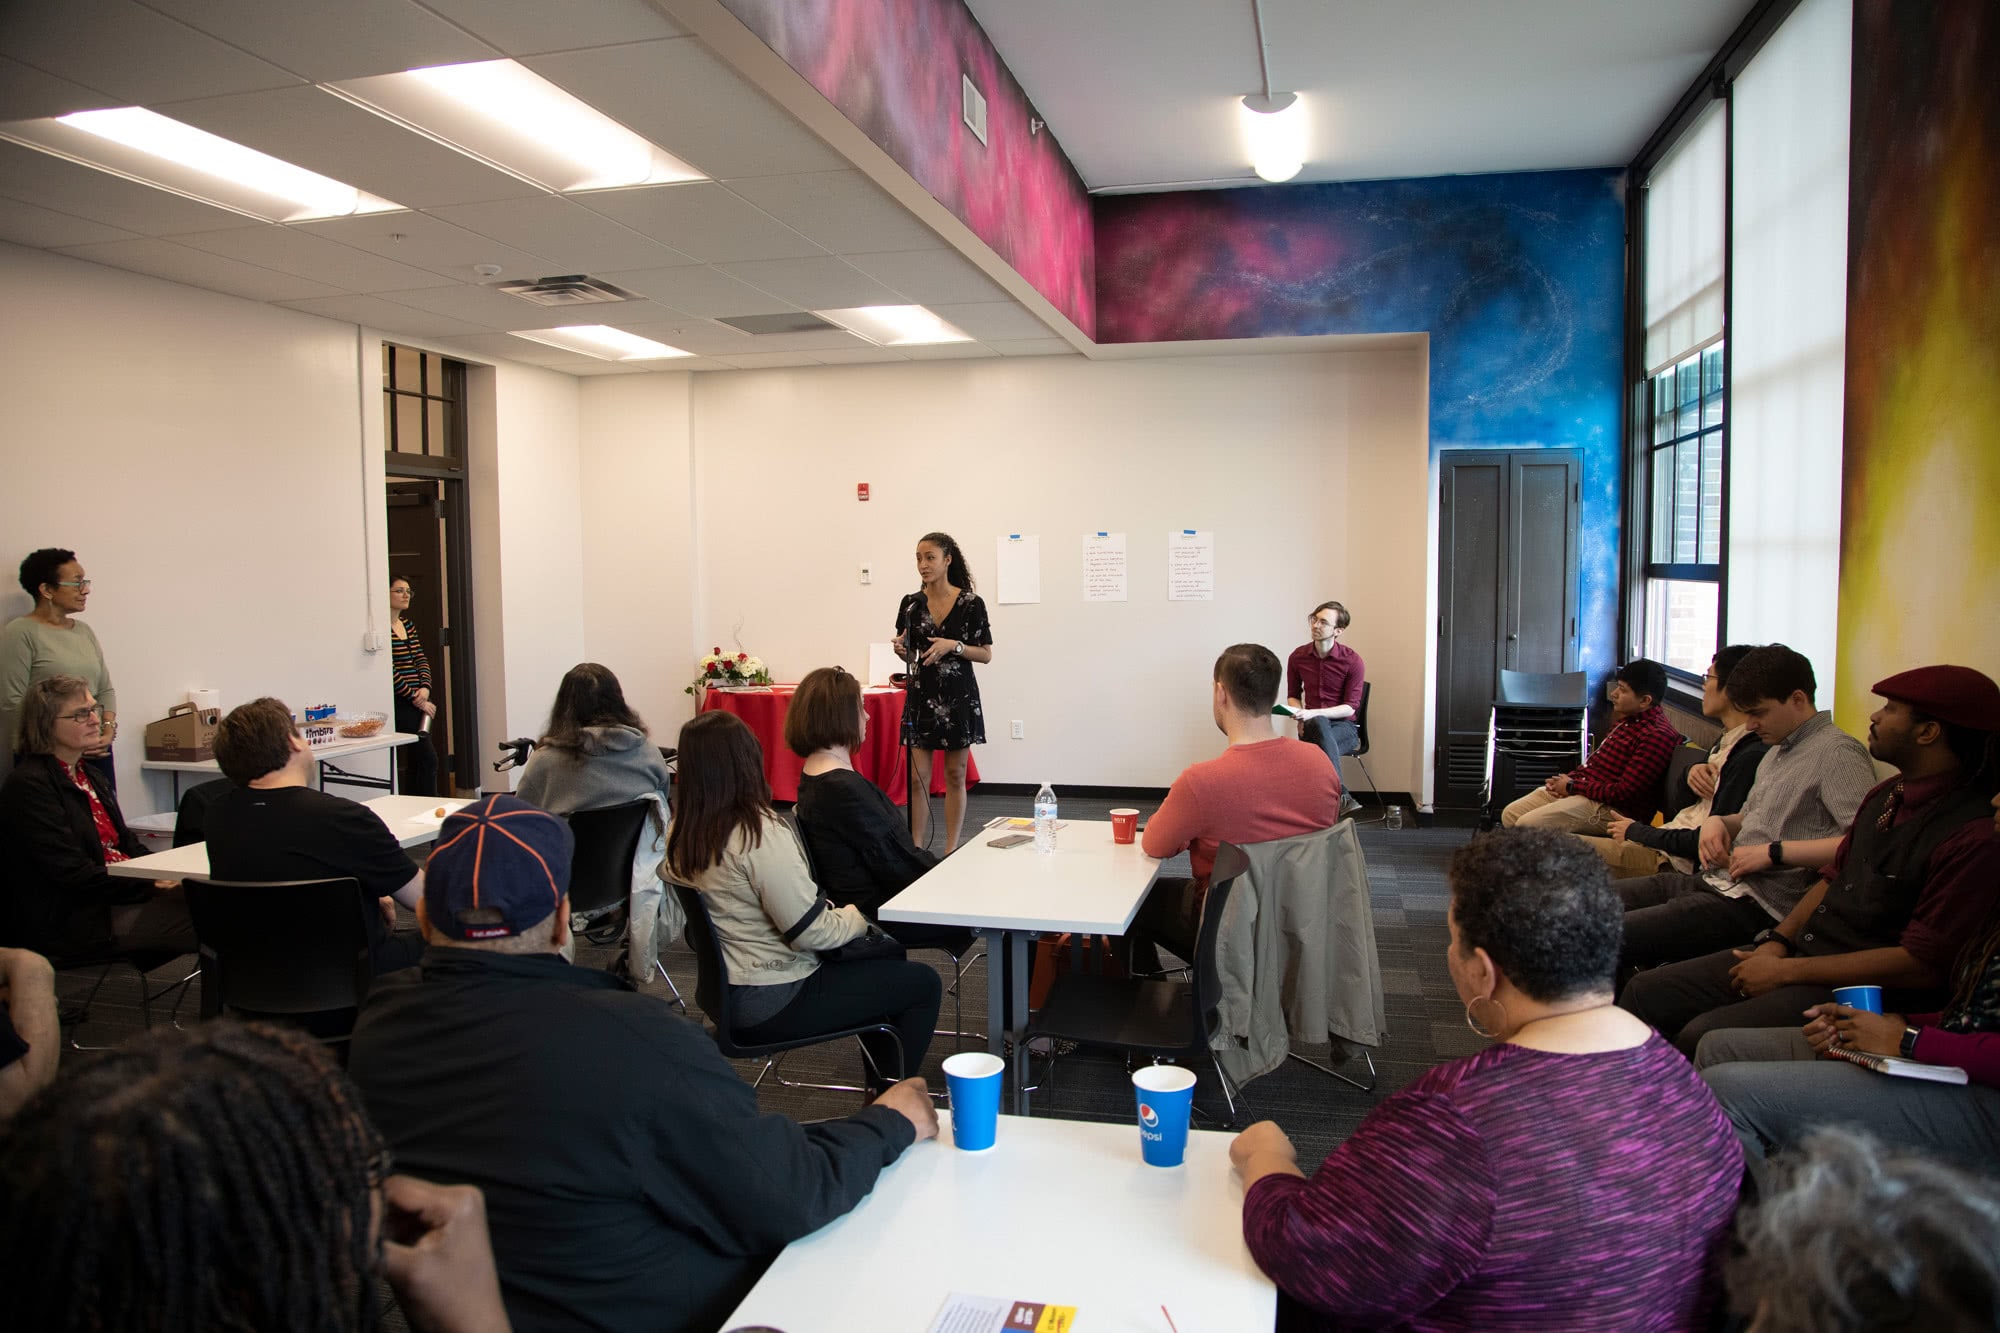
(1472, 1021)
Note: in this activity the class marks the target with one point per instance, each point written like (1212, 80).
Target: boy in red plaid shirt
(1622, 778)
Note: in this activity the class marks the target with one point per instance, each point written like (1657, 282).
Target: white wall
(205, 458)
(1310, 469)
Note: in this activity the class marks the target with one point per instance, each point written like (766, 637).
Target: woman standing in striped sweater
(413, 695)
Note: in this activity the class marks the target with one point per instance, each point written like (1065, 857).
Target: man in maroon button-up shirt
(1323, 679)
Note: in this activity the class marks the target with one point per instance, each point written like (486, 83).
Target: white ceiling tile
(318, 131)
(699, 291)
(198, 268)
(27, 224)
(815, 284)
(491, 309)
(528, 27)
(697, 335)
(993, 319)
(386, 316)
(493, 345)
(859, 356)
(290, 250)
(27, 93)
(575, 239)
(930, 277)
(590, 369)
(688, 102)
(770, 360)
(702, 219)
(828, 340)
(637, 315)
(1032, 347)
(323, 42)
(842, 210)
(432, 243)
(947, 351)
(99, 196)
(129, 51)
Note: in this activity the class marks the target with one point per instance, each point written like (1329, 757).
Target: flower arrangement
(720, 668)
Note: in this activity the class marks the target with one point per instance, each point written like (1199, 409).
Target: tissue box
(185, 735)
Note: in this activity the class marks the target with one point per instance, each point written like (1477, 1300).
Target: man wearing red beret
(1913, 877)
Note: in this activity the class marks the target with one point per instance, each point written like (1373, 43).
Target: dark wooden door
(1507, 593)
(417, 553)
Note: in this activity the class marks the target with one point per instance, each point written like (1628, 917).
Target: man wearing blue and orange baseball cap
(630, 1181)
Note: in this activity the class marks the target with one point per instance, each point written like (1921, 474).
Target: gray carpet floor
(1426, 1022)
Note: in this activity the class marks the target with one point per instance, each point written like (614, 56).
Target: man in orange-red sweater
(1263, 787)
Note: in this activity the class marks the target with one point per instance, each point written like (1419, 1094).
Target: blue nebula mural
(1518, 279)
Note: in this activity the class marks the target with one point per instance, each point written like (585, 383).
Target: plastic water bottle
(1045, 819)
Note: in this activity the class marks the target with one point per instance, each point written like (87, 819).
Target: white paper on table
(966, 1313)
(1190, 566)
(1019, 561)
(1104, 567)
(882, 663)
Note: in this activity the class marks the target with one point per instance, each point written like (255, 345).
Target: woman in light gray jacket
(595, 753)
(771, 920)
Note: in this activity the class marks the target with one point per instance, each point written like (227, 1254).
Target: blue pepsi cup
(1166, 1099)
(1859, 997)
(972, 1078)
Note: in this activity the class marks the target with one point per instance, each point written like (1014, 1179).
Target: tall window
(423, 401)
(1682, 434)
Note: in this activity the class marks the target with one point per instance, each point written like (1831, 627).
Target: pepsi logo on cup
(1148, 1116)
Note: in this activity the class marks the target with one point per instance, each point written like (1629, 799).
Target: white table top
(1058, 1211)
(1088, 884)
(381, 740)
(413, 819)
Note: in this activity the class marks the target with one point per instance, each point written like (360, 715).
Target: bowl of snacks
(359, 726)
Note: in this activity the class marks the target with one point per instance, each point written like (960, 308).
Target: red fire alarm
(861, 491)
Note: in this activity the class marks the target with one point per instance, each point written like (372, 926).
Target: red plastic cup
(1124, 825)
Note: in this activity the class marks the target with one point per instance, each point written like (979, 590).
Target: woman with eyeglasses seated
(861, 851)
(50, 641)
(1576, 1174)
(60, 826)
(778, 935)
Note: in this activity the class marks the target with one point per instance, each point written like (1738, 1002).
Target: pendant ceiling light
(1274, 124)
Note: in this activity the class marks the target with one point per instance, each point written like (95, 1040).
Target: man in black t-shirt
(275, 826)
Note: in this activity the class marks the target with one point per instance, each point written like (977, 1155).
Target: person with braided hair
(226, 1177)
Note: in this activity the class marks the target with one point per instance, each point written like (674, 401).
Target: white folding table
(1089, 885)
(1058, 1211)
(413, 819)
(324, 769)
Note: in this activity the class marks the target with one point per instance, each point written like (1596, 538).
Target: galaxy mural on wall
(893, 68)
(1518, 279)
(1920, 483)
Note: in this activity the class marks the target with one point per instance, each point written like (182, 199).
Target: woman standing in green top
(49, 641)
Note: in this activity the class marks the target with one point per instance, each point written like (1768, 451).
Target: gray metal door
(1507, 592)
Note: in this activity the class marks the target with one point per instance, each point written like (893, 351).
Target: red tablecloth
(880, 758)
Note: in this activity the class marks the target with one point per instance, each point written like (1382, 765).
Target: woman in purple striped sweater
(1575, 1175)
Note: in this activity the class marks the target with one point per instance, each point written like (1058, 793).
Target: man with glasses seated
(1323, 682)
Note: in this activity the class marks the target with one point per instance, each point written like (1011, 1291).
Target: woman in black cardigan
(61, 826)
(861, 851)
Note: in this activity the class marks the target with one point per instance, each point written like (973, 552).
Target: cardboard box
(185, 735)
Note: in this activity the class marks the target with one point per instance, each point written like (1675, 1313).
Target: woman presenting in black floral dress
(945, 622)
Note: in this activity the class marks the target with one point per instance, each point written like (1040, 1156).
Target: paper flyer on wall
(1018, 560)
(1104, 567)
(1190, 566)
(991, 1314)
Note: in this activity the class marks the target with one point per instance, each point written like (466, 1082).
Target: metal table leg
(1017, 1013)
(998, 945)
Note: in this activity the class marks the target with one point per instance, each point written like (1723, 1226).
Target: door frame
(456, 510)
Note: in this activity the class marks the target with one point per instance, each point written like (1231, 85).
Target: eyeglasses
(72, 583)
(89, 714)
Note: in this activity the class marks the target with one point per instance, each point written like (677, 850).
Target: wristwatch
(1908, 1048)
(958, 648)
(1770, 935)
(1777, 850)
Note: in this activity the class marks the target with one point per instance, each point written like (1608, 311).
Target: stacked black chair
(1540, 727)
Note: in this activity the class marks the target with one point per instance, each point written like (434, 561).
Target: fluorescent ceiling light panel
(510, 117)
(896, 325)
(603, 342)
(147, 147)
(1274, 133)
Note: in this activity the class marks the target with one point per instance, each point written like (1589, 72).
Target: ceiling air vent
(568, 289)
(795, 321)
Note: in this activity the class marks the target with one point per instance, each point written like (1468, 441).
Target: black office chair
(1361, 748)
(1674, 794)
(600, 876)
(143, 962)
(711, 991)
(1148, 1016)
(303, 961)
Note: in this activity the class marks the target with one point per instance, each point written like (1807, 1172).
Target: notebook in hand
(1901, 1068)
